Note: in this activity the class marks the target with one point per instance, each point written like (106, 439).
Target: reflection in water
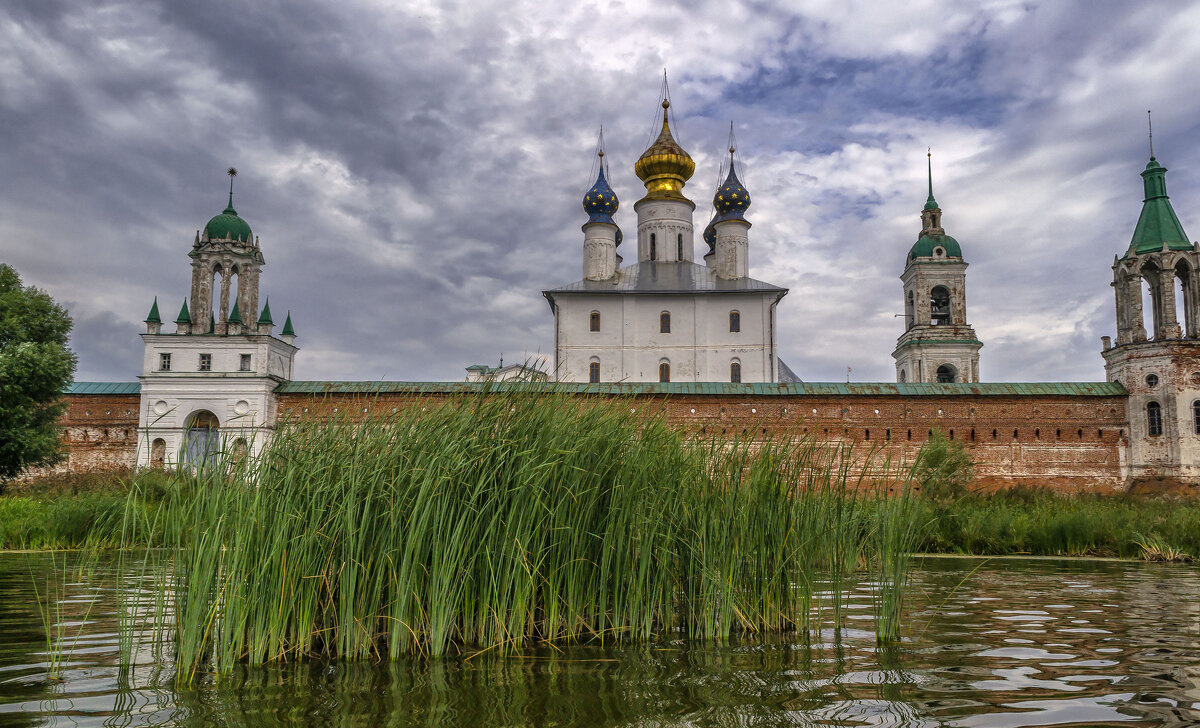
(1012, 643)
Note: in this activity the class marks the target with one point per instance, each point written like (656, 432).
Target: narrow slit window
(594, 372)
(735, 373)
(679, 247)
(735, 322)
(653, 247)
(594, 322)
(664, 372)
(664, 322)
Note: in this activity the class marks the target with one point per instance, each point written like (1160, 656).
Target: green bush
(943, 469)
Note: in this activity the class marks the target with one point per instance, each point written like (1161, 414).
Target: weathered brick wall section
(1068, 443)
(100, 432)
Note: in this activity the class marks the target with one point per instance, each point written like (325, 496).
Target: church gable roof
(673, 277)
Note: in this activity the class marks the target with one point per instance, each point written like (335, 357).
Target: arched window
(1153, 419)
(239, 450)
(595, 321)
(947, 374)
(735, 322)
(679, 247)
(594, 372)
(735, 372)
(1196, 417)
(653, 247)
(1183, 284)
(939, 306)
(158, 453)
(903, 377)
(664, 372)
(1151, 305)
(909, 309)
(664, 322)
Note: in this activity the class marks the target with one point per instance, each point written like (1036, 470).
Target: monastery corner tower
(666, 318)
(938, 345)
(1159, 363)
(210, 385)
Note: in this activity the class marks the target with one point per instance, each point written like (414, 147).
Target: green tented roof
(1157, 224)
(104, 388)
(153, 317)
(1066, 389)
(235, 316)
(265, 318)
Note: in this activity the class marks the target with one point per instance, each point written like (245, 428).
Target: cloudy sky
(414, 171)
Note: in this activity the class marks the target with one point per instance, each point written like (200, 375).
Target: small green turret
(153, 317)
(185, 317)
(235, 316)
(265, 318)
(287, 326)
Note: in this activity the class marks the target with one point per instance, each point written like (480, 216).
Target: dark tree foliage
(35, 367)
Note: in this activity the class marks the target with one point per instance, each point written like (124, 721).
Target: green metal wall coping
(988, 389)
(104, 388)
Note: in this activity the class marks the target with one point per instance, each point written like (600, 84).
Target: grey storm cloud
(414, 171)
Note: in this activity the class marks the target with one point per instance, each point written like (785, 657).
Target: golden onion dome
(665, 167)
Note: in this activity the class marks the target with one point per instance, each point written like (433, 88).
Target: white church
(666, 318)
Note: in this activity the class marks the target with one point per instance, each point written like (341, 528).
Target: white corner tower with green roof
(666, 318)
(209, 386)
(1156, 356)
(938, 345)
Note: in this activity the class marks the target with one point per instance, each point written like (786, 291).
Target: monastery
(698, 340)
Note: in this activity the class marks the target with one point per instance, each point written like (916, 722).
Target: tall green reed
(486, 522)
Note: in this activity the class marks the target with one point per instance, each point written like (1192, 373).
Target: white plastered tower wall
(705, 323)
(225, 370)
(937, 344)
(243, 402)
(1159, 363)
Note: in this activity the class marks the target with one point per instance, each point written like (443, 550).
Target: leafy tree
(35, 367)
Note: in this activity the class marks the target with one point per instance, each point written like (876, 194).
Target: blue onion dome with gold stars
(601, 202)
(227, 225)
(665, 167)
(731, 199)
(710, 236)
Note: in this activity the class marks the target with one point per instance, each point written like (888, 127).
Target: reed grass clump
(486, 522)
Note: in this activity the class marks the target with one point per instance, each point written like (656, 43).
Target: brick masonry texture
(1062, 442)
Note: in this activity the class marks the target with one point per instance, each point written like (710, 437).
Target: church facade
(666, 318)
(698, 342)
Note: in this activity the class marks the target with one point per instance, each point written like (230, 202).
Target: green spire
(265, 318)
(1157, 224)
(930, 204)
(154, 318)
(235, 316)
(287, 326)
(184, 317)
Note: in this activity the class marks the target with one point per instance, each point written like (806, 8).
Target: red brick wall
(1070, 443)
(1063, 442)
(100, 431)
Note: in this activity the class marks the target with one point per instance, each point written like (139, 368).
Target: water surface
(999, 643)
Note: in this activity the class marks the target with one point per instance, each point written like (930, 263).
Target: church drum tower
(938, 345)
